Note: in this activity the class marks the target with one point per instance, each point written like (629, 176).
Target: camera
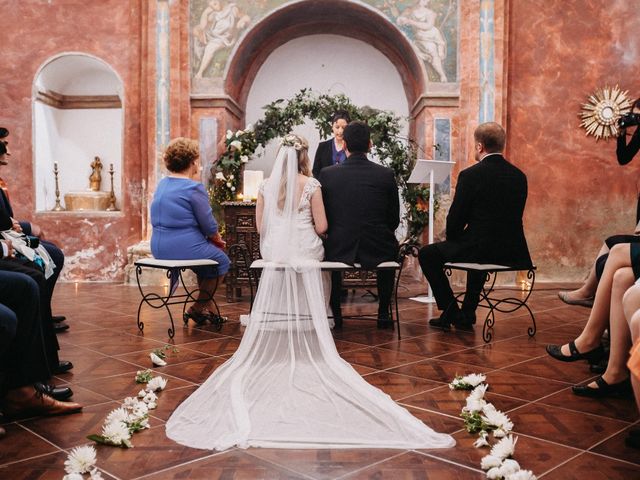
(31, 241)
(629, 120)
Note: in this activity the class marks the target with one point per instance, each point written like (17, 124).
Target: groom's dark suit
(363, 212)
(484, 225)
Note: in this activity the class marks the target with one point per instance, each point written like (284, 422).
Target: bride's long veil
(286, 385)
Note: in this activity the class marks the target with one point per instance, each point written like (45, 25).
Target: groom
(363, 212)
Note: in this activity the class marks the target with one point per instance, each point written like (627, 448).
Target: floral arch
(281, 116)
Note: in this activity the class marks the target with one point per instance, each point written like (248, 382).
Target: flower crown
(292, 140)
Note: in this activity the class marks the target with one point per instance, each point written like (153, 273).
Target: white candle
(251, 182)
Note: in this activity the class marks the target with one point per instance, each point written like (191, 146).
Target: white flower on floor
(96, 474)
(509, 466)
(156, 360)
(521, 475)
(467, 382)
(149, 398)
(80, 460)
(130, 403)
(142, 393)
(118, 415)
(494, 474)
(505, 447)
(475, 400)
(73, 476)
(490, 461)
(116, 433)
(156, 384)
(482, 440)
(497, 419)
(141, 410)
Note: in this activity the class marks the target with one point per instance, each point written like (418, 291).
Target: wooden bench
(258, 265)
(174, 269)
(487, 298)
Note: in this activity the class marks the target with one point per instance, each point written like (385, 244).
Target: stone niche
(78, 133)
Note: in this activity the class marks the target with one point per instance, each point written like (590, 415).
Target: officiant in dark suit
(484, 225)
(332, 151)
(363, 212)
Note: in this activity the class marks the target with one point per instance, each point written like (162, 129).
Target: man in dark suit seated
(363, 212)
(484, 225)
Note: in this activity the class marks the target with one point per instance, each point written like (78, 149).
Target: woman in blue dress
(183, 225)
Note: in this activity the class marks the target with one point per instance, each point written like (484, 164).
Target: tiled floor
(561, 436)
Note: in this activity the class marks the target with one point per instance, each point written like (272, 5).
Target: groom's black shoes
(384, 322)
(454, 316)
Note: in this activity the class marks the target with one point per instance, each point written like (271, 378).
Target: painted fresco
(431, 25)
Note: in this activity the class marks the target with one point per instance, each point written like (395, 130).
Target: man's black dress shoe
(58, 318)
(60, 327)
(59, 393)
(62, 367)
(619, 389)
(463, 325)
(441, 323)
(337, 322)
(385, 323)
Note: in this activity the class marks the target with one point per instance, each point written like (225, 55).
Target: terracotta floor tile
(168, 401)
(485, 355)
(616, 448)
(594, 467)
(525, 387)
(196, 371)
(411, 465)
(438, 370)
(119, 343)
(620, 408)
(425, 346)
(548, 367)
(450, 402)
(175, 354)
(563, 426)
(399, 386)
(379, 358)
(531, 453)
(230, 465)
(47, 467)
(216, 346)
(19, 444)
(121, 386)
(323, 464)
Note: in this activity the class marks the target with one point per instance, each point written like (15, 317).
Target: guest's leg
(589, 339)
(58, 259)
(432, 264)
(334, 301)
(206, 289)
(588, 289)
(634, 327)
(384, 282)
(619, 329)
(475, 280)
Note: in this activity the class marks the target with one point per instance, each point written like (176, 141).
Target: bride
(286, 385)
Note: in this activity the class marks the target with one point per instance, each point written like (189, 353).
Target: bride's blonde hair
(301, 146)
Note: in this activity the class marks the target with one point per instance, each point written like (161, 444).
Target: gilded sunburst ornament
(600, 114)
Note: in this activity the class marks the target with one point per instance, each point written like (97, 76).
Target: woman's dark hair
(357, 136)
(4, 132)
(180, 154)
(340, 115)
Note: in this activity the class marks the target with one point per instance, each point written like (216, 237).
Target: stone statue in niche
(95, 179)
(428, 38)
(218, 28)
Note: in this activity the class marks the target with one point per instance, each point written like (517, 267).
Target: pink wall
(33, 32)
(559, 53)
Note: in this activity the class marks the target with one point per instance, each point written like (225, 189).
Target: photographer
(626, 151)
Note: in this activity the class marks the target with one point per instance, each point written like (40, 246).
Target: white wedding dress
(286, 385)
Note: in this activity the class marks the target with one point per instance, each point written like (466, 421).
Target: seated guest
(23, 360)
(631, 305)
(29, 228)
(484, 225)
(363, 211)
(183, 224)
(620, 272)
(332, 151)
(626, 151)
(583, 296)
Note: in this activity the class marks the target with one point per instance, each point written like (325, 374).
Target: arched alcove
(78, 115)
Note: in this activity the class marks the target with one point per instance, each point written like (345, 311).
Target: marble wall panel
(560, 51)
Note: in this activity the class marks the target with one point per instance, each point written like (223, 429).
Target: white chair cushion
(158, 263)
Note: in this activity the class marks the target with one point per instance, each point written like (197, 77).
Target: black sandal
(604, 389)
(593, 356)
(199, 317)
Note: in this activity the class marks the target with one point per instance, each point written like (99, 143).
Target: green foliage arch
(281, 116)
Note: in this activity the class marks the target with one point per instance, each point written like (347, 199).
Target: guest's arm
(625, 152)
(457, 216)
(202, 211)
(317, 160)
(319, 215)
